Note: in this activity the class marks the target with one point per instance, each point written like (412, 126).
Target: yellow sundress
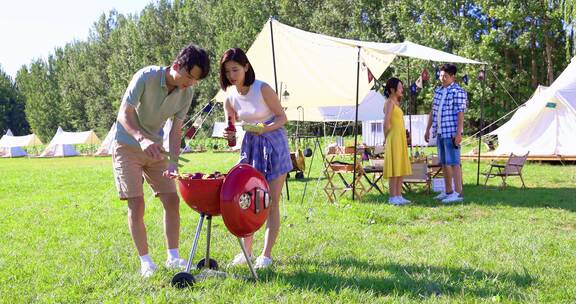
(396, 161)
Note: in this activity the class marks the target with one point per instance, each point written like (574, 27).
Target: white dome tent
(105, 148)
(545, 125)
(7, 148)
(62, 143)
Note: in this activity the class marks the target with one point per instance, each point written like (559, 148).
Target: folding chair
(333, 188)
(420, 175)
(513, 167)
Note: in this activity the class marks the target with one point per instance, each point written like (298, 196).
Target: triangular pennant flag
(419, 82)
(481, 75)
(425, 75)
(190, 132)
(207, 108)
(370, 75)
(465, 79)
(413, 89)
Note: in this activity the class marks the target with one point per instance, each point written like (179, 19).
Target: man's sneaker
(239, 259)
(441, 196)
(392, 200)
(453, 198)
(263, 262)
(147, 269)
(176, 263)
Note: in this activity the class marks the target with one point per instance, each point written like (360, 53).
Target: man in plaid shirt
(447, 122)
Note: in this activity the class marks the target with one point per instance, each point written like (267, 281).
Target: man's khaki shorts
(131, 166)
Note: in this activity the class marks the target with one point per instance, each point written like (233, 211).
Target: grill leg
(195, 244)
(241, 241)
(208, 236)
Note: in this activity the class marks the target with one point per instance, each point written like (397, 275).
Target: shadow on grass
(415, 281)
(558, 198)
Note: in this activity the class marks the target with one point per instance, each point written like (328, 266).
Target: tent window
(376, 127)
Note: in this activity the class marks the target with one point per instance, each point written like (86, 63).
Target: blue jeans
(448, 154)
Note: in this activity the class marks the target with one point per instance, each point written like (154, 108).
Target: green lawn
(64, 239)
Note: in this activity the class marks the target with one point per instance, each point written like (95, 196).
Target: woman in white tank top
(266, 148)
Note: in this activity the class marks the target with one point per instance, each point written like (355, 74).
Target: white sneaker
(239, 259)
(441, 196)
(394, 201)
(176, 263)
(147, 270)
(453, 198)
(263, 262)
(404, 200)
(398, 201)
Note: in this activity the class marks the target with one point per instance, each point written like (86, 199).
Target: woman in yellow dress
(396, 161)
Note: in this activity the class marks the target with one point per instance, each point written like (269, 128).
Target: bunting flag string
(419, 82)
(413, 89)
(425, 75)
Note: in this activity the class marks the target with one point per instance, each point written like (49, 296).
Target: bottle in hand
(231, 128)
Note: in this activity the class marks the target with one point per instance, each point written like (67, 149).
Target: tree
(40, 88)
(11, 107)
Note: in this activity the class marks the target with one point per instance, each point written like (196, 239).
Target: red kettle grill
(241, 196)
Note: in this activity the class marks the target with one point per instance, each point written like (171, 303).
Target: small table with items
(377, 174)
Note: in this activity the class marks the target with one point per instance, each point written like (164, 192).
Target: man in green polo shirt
(155, 94)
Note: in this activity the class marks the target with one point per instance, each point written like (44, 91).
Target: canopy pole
(273, 56)
(276, 83)
(356, 123)
(483, 80)
(409, 108)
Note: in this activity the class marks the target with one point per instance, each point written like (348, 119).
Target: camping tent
(370, 112)
(166, 135)
(10, 151)
(371, 108)
(62, 143)
(545, 125)
(373, 131)
(105, 148)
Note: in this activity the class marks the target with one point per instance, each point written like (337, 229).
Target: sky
(32, 29)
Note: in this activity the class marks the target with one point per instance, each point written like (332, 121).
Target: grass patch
(65, 239)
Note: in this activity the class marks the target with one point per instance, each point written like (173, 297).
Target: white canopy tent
(321, 70)
(105, 148)
(545, 125)
(7, 148)
(62, 143)
(313, 69)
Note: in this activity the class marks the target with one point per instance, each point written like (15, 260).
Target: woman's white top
(251, 108)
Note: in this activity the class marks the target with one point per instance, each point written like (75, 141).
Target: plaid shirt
(455, 102)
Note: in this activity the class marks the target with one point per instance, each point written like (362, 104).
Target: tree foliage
(11, 107)
(79, 87)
